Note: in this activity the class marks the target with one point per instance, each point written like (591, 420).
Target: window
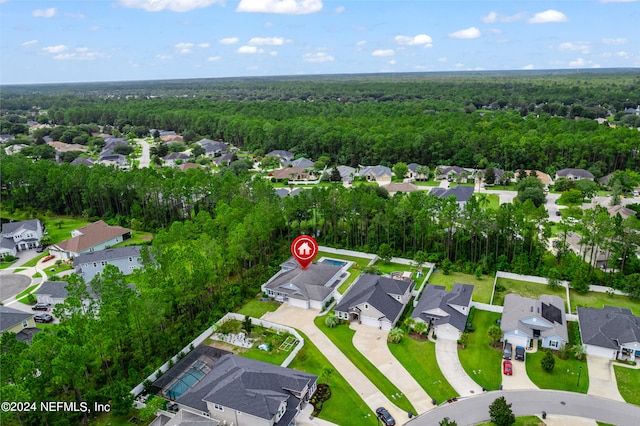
(95, 265)
(25, 324)
(103, 263)
(553, 343)
(366, 306)
(218, 407)
(131, 259)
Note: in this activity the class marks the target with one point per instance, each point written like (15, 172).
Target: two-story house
(19, 236)
(126, 259)
(445, 311)
(19, 322)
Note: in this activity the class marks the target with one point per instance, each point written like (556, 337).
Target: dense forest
(220, 236)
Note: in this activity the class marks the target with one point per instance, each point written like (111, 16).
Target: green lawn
(26, 291)
(427, 183)
(5, 265)
(387, 268)
(59, 227)
(347, 283)
(481, 361)
(494, 200)
(342, 337)
(563, 377)
(138, 238)
(526, 289)
(520, 421)
(344, 399)
(593, 299)
(33, 262)
(482, 288)
(419, 358)
(256, 309)
(628, 384)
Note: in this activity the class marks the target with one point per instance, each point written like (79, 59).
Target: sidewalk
(302, 319)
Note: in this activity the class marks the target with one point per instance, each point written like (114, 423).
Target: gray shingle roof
(550, 317)
(378, 292)
(575, 172)
(78, 161)
(462, 193)
(53, 289)
(305, 163)
(11, 227)
(10, 317)
(437, 297)
(307, 284)
(284, 155)
(602, 327)
(376, 171)
(107, 254)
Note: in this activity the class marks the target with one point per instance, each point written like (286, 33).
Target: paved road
(475, 409)
(12, 284)
(145, 158)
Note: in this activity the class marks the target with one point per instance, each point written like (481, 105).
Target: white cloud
(383, 53)
(318, 57)
(79, 54)
(229, 40)
(442, 59)
(392, 62)
(580, 46)
(467, 33)
(619, 40)
(29, 43)
(361, 43)
(173, 5)
(249, 50)
(269, 24)
(494, 17)
(340, 9)
(578, 63)
(267, 41)
(285, 7)
(548, 16)
(418, 40)
(44, 13)
(273, 53)
(528, 67)
(184, 48)
(75, 15)
(94, 28)
(203, 45)
(164, 57)
(55, 49)
(213, 58)
(622, 54)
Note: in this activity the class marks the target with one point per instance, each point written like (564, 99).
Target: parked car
(41, 306)
(385, 417)
(519, 353)
(47, 258)
(558, 213)
(507, 368)
(572, 220)
(506, 352)
(45, 318)
(41, 249)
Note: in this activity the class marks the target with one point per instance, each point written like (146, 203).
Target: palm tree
(420, 327)
(395, 335)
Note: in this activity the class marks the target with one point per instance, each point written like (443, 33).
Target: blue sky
(112, 40)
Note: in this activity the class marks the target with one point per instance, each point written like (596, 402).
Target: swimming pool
(334, 262)
(188, 379)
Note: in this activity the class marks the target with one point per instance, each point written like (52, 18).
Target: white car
(572, 220)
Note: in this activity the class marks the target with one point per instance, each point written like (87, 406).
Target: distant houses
(93, 237)
(126, 259)
(574, 174)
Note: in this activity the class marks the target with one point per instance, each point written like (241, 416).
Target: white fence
(533, 279)
(373, 257)
(205, 334)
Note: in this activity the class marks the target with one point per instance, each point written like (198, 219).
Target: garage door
(298, 303)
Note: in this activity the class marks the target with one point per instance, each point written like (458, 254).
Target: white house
(20, 236)
(93, 237)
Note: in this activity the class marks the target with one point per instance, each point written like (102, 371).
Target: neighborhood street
(145, 158)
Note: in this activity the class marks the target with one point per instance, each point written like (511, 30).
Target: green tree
(327, 373)
(495, 334)
(447, 422)
(385, 252)
(331, 321)
(400, 171)
(197, 151)
(489, 176)
(553, 279)
(464, 340)
(247, 325)
(500, 412)
(420, 327)
(335, 175)
(395, 335)
(548, 361)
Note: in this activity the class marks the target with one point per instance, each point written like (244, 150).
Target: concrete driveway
(372, 343)
(302, 319)
(519, 379)
(449, 362)
(602, 378)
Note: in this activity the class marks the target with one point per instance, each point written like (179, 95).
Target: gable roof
(78, 161)
(107, 254)
(575, 172)
(413, 167)
(12, 227)
(91, 235)
(608, 327)
(548, 311)
(10, 317)
(176, 156)
(346, 172)
(213, 146)
(307, 284)
(53, 289)
(305, 163)
(377, 171)
(401, 187)
(287, 173)
(284, 155)
(186, 166)
(377, 291)
(623, 211)
(224, 158)
(436, 297)
(462, 193)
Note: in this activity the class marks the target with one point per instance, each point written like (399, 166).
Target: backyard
(342, 337)
(594, 299)
(628, 383)
(525, 289)
(482, 287)
(568, 374)
(354, 270)
(256, 308)
(419, 358)
(480, 360)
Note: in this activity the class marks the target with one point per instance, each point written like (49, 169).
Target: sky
(59, 41)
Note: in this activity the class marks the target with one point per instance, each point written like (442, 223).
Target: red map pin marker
(304, 249)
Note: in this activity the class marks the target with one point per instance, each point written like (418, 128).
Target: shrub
(563, 352)
(548, 362)
(331, 321)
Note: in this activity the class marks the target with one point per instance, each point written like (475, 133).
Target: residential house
(623, 211)
(286, 192)
(284, 156)
(394, 187)
(171, 159)
(13, 149)
(454, 173)
(187, 166)
(525, 320)
(610, 332)
(462, 194)
(604, 180)
(82, 161)
(19, 322)
(117, 160)
(598, 257)
(52, 292)
(224, 159)
(446, 311)
(93, 237)
(309, 288)
(635, 111)
(413, 173)
(20, 236)
(110, 143)
(213, 148)
(292, 173)
(4, 138)
(301, 162)
(346, 173)
(375, 300)
(543, 177)
(380, 174)
(574, 174)
(126, 259)
(62, 147)
(227, 389)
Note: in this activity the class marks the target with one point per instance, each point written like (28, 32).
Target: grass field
(342, 337)
(138, 238)
(5, 265)
(593, 299)
(628, 384)
(482, 288)
(520, 421)
(563, 377)
(526, 289)
(344, 399)
(419, 358)
(387, 268)
(494, 201)
(59, 227)
(256, 309)
(481, 361)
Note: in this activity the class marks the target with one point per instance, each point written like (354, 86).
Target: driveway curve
(473, 410)
(449, 362)
(372, 343)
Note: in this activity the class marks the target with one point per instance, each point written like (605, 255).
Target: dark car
(41, 307)
(519, 353)
(506, 353)
(41, 249)
(43, 318)
(558, 213)
(385, 417)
